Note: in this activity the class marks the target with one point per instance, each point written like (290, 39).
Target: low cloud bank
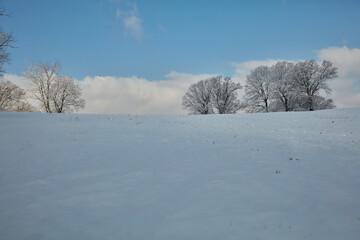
(137, 95)
(134, 95)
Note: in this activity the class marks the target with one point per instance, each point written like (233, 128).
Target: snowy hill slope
(247, 176)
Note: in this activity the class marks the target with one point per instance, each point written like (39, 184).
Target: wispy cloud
(132, 21)
(162, 28)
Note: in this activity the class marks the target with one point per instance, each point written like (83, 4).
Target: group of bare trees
(211, 96)
(55, 93)
(285, 86)
(288, 86)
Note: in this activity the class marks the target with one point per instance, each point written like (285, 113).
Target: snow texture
(246, 176)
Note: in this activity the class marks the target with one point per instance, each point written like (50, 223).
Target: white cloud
(15, 79)
(347, 60)
(346, 87)
(132, 21)
(118, 95)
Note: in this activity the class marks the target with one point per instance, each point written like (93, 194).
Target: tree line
(285, 86)
(54, 93)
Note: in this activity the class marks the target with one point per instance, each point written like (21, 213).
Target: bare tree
(41, 78)
(224, 95)
(56, 93)
(12, 98)
(258, 90)
(66, 95)
(198, 98)
(6, 41)
(310, 78)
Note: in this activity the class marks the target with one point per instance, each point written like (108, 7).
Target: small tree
(56, 93)
(12, 98)
(198, 98)
(258, 90)
(310, 77)
(224, 95)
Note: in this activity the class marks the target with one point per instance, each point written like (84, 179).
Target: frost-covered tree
(6, 41)
(285, 94)
(198, 98)
(56, 93)
(224, 95)
(66, 95)
(310, 77)
(258, 90)
(287, 86)
(213, 95)
(12, 98)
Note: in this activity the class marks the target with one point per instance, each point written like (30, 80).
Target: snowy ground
(246, 176)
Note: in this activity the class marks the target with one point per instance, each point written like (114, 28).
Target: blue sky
(166, 40)
(186, 36)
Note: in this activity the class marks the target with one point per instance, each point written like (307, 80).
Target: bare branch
(6, 41)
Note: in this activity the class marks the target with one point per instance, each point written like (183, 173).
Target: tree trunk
(266, 105)
(311, 104)
(286, 105)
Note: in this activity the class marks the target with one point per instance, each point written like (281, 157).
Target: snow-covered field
(246, 176)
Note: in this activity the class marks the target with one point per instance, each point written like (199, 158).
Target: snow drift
(247, 176)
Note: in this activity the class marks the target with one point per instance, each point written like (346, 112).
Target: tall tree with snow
(310, 77)
(258, 90)
(198, 98)
(285, 94)
(224, 95)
